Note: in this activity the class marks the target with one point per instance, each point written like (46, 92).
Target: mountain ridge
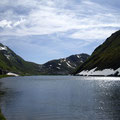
(11, 62)
(64, 66)
(106, 56)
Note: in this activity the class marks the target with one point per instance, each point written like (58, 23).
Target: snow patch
(78, 56)
(104, 72)
(8, 57)
(69, 65)
(12, 74)
(63, 60)
(81, 61)
(58, 68)
(68, 61)
(3, 48)
(59, 64)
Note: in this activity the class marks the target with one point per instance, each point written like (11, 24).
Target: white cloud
(48, 29)
(5, 23)
(88, 19)
(19, 22)
(92, 34)
(10, 24)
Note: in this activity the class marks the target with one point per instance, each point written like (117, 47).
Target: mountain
(105, 60)
(63, 66)
(10, 62)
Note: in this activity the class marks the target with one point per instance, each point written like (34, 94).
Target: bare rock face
(63, 66)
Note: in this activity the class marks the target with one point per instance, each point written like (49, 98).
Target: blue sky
(42, 30)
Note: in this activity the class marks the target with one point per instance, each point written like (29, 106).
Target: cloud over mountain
(84, 20)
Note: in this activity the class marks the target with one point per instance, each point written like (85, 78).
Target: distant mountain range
(63, 66)
(105, 60)
(12, 63)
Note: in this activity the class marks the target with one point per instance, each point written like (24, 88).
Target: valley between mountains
(12, 64)
(104, 61)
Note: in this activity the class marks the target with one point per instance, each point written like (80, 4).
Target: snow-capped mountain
(105, 60)
(63, 66)
(10, 64)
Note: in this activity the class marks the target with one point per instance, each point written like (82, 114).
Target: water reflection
(61, 98)
(108, 100)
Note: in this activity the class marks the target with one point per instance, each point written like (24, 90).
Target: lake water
(60, 98)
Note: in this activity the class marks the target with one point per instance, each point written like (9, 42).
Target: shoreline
(1, 115)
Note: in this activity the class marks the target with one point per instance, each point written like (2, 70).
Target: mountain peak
(2, 47)
(63, 66)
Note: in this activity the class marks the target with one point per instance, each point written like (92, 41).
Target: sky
(42, 30)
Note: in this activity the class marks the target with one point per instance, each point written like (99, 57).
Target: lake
(60, 98)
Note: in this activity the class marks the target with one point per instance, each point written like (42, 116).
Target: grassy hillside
(9, 61)
(105, 56)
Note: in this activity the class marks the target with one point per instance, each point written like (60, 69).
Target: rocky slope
(105, 60)
(63, 66)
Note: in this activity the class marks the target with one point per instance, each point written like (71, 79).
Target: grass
(2, 76)
(105, 56)
(1, 116)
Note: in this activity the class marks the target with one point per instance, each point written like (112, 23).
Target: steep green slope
(9, 61)
(106, 56)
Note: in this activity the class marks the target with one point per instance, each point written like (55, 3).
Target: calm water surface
(60, 98)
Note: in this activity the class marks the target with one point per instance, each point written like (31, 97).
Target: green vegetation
(105, 56)
(2, 76)
(1, 116)
(9, 61)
